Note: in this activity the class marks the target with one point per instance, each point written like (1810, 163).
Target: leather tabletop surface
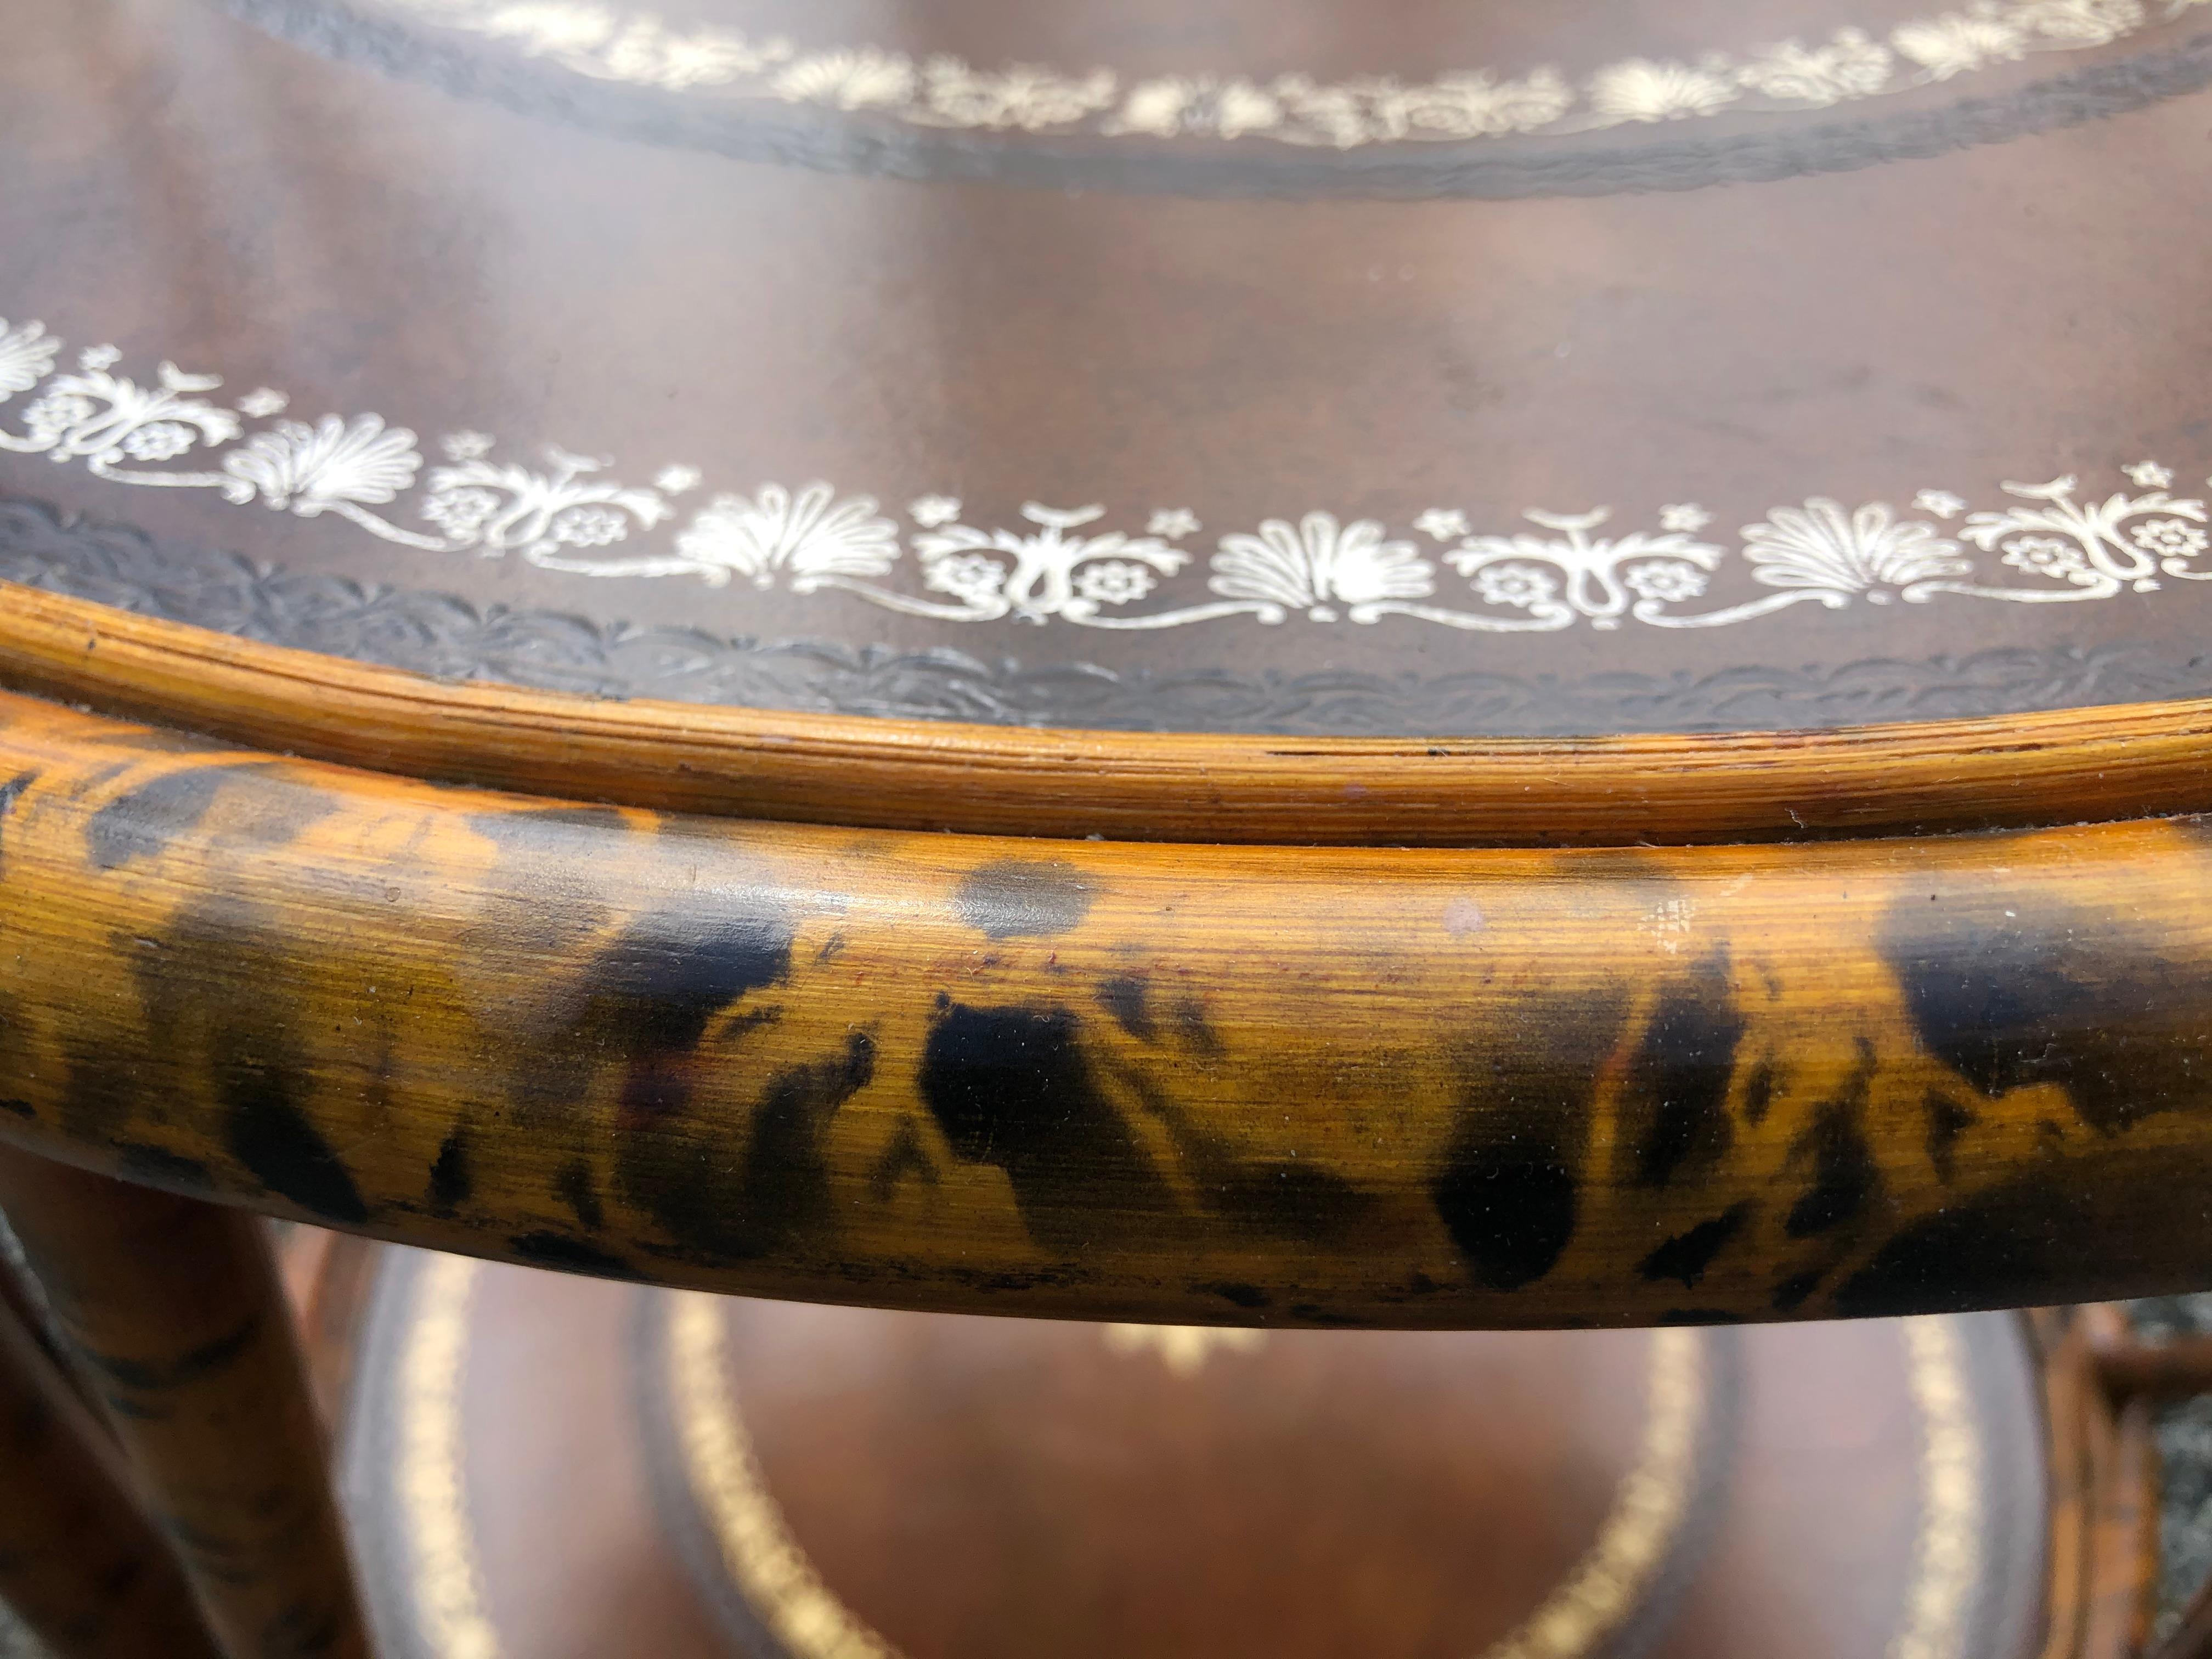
(1268, 365)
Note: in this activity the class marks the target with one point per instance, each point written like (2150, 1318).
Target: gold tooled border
(1946, 1563)
(781, 1586)
(439, 1543)
(1650, 1508)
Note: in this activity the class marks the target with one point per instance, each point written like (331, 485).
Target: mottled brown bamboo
(1340, 1085)
(2173, 1369)
(2122, 1586)
(2069, 1394)
(173, 1309)
(2102, 1565)
(2092, 763)
(80, 1564)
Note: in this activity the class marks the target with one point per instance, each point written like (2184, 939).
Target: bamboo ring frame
(1398, 1084)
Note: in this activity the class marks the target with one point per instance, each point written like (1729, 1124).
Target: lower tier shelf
(539, 1467)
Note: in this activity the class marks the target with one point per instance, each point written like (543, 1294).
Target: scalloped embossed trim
(434, 634)
(637, 48)
(2040, 544)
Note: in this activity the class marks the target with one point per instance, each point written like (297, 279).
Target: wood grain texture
(2101, 1566)
(1415, 1088)
(2124, 761)
(2172, 1368)
(2124, 1377)
(80, 1564)
(2071, 1497)
(173, 1310)
(2124, 1542)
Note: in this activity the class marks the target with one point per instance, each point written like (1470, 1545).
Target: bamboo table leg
(79, 1563)
(174, 1310)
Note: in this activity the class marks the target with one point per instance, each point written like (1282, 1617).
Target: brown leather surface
(984, 1488)
(405, 243)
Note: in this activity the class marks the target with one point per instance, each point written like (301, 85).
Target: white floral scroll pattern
(2038, 544)
(810, 539)
(1820, 549)
(27, 357)
(106, 421)
(1572, 573)
(332, 466)
(1317, 565)
(608, 43)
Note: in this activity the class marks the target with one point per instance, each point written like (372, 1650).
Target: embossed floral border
(2041, 543)
(637, 48)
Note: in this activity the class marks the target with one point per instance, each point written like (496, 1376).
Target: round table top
(1417, 370)
(1443, 432)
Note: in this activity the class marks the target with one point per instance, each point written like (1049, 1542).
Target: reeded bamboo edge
(1477, 1087)
(2094, 764)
